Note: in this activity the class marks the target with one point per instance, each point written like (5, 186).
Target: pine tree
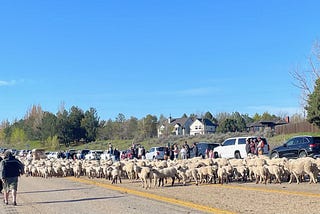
(313, 107)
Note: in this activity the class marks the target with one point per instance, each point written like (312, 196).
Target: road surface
(63, 195)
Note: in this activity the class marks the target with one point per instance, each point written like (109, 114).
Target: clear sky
(154, 57)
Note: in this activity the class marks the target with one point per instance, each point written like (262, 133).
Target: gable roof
(180, 121)
(206, 122)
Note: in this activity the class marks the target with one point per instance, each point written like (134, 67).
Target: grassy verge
(126, 144)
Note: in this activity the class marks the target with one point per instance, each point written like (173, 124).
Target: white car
(236, 148)
(106, 156)
(93, 155)
(155, 153)
(53, 155)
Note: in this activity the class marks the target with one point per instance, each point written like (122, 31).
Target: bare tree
(305, 79)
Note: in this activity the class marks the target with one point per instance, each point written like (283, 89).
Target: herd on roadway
(259, 169)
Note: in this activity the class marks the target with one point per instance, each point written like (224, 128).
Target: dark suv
(202, 147)
(299, 146)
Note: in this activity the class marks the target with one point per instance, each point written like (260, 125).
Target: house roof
(262, 123)
(206, 122)
(180, 121)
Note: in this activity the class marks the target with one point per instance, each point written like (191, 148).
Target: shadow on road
(77, 200)
(53, 190)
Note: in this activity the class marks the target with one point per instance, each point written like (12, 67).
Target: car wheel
(216, 155)
(237, 155)
(274, 155)
(302, 154)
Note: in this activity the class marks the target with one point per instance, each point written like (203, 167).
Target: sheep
(192, 173)
(77, 169)
(300, 167)
(128, 168)
(210, 172)
(274, 170)
(115, 174)
(222, 174)
(241, 172)
(161, 174)
(262, 173)
(144, 174)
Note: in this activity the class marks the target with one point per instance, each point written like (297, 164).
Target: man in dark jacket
(10, 169)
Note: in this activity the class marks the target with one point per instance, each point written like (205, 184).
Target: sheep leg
(173, 178)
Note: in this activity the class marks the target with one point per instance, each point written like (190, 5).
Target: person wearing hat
(10, 169)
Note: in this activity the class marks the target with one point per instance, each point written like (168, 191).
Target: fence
(296, 127)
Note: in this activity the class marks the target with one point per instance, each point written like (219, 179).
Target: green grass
(126, 144)
(280, 139)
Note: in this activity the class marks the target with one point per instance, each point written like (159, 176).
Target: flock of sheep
(259, 169)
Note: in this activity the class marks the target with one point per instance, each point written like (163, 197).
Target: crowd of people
(255, 146)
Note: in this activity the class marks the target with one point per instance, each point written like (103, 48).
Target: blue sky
(154, 57)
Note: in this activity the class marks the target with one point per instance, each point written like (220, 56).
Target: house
(175, 126)
(202, 126)
(263, 124)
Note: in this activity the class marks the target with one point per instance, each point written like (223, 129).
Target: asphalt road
(60, 195)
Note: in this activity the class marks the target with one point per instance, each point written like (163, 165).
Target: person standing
(10, 169)
(183, 152)
(175, 151)
(195, 150)
(260, 146)
(187, 148)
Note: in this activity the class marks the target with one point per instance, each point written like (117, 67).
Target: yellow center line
(153, 196)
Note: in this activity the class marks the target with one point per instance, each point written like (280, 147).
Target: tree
(48, 125)
(119, 126)
(210, 117)
(256, 117)
(64, 128)
(133, 128)
(90, 123)
(149, 126)
(105, 130)
(227, 125)
(313, 107)
(75, 117)
(240, 123)
(305, 79)
(18, 136)
(32, 122)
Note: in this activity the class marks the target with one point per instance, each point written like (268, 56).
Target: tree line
(79, 126)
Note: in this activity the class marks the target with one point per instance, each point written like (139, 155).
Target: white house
(175, 126)
(202, 126)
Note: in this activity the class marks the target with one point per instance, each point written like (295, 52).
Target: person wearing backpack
(10, 169)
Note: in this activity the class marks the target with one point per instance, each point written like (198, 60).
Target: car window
(242, 141)
(291, 142)
(229, 142)
(152, 149)
(161, 149)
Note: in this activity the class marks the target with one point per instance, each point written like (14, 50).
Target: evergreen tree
(313, 107)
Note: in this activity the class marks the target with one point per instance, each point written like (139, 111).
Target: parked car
(236, 147)
(53, 155)
(106, 156)
(82, 153)
(156, 153)
(202, 148)
(93, 155)
(298, 146)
